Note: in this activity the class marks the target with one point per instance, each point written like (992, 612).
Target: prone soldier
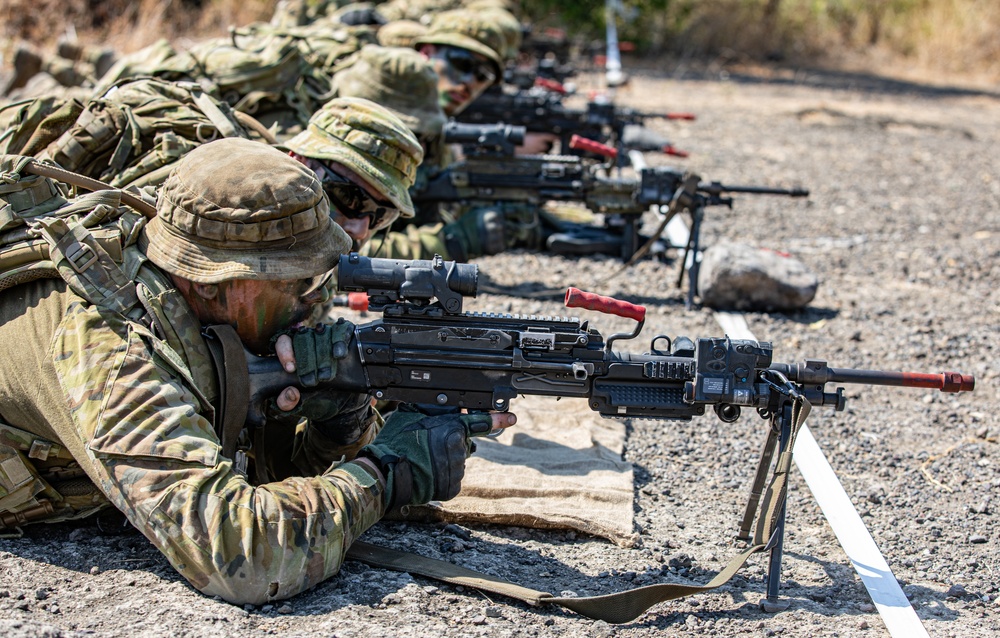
(123, 392)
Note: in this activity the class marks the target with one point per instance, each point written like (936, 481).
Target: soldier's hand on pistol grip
(423, 457)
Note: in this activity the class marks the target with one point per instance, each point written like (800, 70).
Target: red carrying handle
(680, 116)
(551, 85)
(676, 152)
(583, 144)
(576, 298)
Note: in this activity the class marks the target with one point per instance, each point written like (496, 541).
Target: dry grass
(125, 25)
(944, 40)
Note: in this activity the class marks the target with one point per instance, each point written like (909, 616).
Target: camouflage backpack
(134, 134)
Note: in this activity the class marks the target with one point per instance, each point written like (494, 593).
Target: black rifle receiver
(431, 352)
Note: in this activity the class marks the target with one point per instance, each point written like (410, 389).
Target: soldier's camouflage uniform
(128, 401)
(455, 232)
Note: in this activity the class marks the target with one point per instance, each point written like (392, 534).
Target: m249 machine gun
(491, 174)
(601, 121)
(426, 350)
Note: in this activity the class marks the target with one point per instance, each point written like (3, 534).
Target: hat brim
(465, 42)
(382, 177)
(286, 259)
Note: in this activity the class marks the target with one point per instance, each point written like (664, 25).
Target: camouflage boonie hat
(239, 209)
(467, 30)
(367, 139)
(400, 33)
(510, 28)
(401, 80)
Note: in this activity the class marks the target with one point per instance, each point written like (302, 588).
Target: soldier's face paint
(462, 76)
(259, 309)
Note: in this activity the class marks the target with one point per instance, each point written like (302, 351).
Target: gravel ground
(903, 229)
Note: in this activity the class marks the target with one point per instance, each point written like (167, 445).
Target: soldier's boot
(69, 73)
(27, 64)
(101, 58)
(479, 232)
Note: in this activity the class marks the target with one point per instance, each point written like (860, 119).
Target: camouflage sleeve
(157, 459)
(414, 242)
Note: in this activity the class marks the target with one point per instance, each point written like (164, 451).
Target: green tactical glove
(341, 417)
(423, 457)
(318, 349)
(476, 233)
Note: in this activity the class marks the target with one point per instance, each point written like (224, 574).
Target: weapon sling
(620, 607)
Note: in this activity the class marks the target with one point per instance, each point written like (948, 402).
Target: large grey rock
(740, 277)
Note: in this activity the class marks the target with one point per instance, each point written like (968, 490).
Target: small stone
(493, 612)
(980, 508)
(956, 591)
(53, 608)
(866, 607)
(392, 599)
(248, 608)
(460, 532)
(285, 609)
(41, 594)
(977, 539)
(982, 432)
(455, 547)
(95, 570)
(544, 575)
(863, 624)
(566, 593)
(267, 608)
(479, 620)
(430, 589)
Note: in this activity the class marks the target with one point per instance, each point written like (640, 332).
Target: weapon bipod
(778, 436)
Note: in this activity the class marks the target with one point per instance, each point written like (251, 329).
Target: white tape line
(897, 614)
(899, 617)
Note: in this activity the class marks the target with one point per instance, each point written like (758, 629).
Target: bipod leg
(692, 249)
(772, 603)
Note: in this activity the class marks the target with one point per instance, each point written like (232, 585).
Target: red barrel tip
(958, 382)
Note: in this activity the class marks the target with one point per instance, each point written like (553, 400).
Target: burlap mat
(560, 467)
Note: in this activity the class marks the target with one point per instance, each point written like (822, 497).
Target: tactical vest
(91, 242)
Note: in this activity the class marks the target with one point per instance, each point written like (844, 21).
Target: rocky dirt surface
(903, 229)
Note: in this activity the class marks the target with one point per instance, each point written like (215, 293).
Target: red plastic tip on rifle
(945, 382)
(958, 382)
(578, 143)
(551, 85)
(680, 116)
(576, 298)
(352, 300)
(676, 152)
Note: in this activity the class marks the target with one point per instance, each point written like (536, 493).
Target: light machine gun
(491, 174)
(601, 121)
(426, 350)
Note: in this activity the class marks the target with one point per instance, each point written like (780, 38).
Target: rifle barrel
(817, 372)
(715, 188)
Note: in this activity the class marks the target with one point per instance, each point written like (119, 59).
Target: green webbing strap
(620, 607)
(86, 266)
